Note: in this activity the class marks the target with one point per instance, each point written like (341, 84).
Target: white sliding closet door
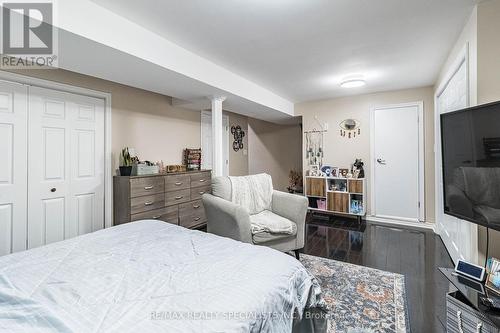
(66, 166)
(13, 166)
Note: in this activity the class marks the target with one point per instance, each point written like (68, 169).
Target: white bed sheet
(152, 276)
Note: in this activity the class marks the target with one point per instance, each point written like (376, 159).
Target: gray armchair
(227, 219)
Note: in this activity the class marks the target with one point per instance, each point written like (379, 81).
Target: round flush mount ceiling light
(353, 82)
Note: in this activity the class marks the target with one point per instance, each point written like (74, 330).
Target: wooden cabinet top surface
(165, 174)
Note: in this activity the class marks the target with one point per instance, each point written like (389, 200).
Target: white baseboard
(401, 223)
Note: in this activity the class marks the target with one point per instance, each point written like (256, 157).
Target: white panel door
(396, 162)
(206, 141)
(457, 235)
(66, 169)
(13, 167)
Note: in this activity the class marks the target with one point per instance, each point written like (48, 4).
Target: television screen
(471, 164)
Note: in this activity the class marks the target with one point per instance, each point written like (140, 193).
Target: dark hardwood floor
(414, 253)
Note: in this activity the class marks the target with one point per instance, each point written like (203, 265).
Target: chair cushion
(221, 187)
(267, 226)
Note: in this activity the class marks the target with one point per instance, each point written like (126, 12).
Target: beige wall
(238, 160)
(141, 119)
(488, 85)
(274, 149)
(342, 152)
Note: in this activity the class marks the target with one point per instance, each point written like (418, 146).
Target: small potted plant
(126, 161)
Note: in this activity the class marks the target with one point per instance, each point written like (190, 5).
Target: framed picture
(334, 172)
(343, 172)
(493, 279)
(327, 170)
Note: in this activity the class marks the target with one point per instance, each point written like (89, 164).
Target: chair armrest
(294, 208)
(227, 219)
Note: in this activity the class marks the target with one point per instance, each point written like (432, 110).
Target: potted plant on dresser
(126, 159)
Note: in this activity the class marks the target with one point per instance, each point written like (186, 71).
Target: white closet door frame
(108, 165)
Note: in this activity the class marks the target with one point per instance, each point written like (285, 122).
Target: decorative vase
(126, 170)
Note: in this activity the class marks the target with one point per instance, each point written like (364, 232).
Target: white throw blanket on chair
(255, 194)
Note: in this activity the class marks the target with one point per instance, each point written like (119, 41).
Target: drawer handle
(197, 218)
(196, 206)
(459, 320)
(179, 197)
(202, 180)
(178, 184)
(148, 203)
(147, 188)
(157, 217)
(201, 192)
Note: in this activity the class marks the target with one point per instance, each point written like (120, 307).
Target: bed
(151, 276)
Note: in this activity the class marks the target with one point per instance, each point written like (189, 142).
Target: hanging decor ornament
(349, 128)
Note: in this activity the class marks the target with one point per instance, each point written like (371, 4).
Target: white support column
(217, 149)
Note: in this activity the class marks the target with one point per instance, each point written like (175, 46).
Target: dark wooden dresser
(173, 198)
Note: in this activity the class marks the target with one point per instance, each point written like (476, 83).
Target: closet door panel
(66, 189)
(13, 167)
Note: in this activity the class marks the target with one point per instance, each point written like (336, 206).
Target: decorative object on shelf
(126, 163)
(335, 172)
(356, 206)
(192, 159)
(295, 181)
(314, 171)
(314, 147)
(343, 172)
(175, 168)
(238, 135)
(321, 203)
(493, 279)
(357, 168)
(349, 128)
(327, 170)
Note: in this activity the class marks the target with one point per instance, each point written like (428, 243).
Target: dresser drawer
(191, 214)
(201, 179)
(177, 197)
(197, 192)
(147, 203)
(146, 186)
(168, 214)
(177, 182)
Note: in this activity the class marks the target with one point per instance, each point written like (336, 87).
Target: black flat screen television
(470, 141)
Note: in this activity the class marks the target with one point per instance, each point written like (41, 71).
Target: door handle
(381, 161)
(53, 189)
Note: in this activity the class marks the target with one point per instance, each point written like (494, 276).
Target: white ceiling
(301, 49)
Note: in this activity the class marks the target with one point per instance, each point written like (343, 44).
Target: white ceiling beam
(89, 20)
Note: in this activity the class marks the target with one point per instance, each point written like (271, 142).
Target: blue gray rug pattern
(360, 299)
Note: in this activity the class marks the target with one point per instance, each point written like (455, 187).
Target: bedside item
(192, 159)
(174, 198)
(472, 271)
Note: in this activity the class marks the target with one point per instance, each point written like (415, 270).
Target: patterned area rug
(360, 299)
